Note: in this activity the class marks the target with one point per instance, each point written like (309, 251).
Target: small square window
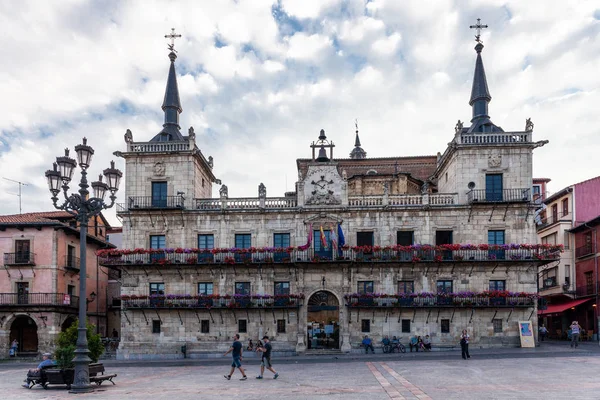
(497, 325)
(406, 326)
(365, 325)
(281, 326)
(155, 326)
(205, 326)
(242, 326)
(445, 325)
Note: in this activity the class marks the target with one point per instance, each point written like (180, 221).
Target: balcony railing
(150, 202)
(219, 302)
(38, 299)
(72, 263)
(440, 301)
(22, 258)
(552, 219)
(495, 138)
(522, 195)
(585, 250)
(585, 290)
(317, 256)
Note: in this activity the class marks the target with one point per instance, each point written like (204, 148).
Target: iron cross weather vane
(172, 36)
(478, 27)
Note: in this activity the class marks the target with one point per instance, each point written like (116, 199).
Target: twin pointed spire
(171, 104)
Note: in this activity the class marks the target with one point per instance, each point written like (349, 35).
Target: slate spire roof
(480, 98)
(171, 107)
(357, 153)
(480, 88)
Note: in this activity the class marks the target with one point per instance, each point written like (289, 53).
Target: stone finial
(210, 161)
(386, 188)
(528, 125)
(191, 133)
(262, 191)
(128, 136)
(425, 188)
(224, 192)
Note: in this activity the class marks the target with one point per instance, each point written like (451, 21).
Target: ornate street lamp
(83, 208)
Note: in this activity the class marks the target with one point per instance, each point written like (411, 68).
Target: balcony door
(493, 187)
(23, 292)
(22, 249)
(159, 194)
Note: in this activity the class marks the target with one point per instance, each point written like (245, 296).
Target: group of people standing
(236, 351)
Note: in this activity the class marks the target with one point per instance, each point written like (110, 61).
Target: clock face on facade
(322, 186)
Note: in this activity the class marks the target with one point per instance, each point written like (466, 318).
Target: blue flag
(341, 239)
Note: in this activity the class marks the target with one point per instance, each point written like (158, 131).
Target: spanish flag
(323, 239)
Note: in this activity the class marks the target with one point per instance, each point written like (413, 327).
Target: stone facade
(343, 256)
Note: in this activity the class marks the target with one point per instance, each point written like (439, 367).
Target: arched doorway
(323, 321)
(24, 329)
(68, 322)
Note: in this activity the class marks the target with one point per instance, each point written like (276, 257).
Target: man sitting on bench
(35, 372)
(368, 344)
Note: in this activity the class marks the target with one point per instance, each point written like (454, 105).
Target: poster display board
(526, 334)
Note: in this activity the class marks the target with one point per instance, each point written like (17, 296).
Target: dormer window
(371, 172)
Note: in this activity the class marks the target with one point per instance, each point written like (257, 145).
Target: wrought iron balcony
(246, 256)
(212, 301)
(38, 299)
(72, 263)
(439, 301)
(585, 250)
(586, 290)
(22, 258)
(522, 195)
(152, 203)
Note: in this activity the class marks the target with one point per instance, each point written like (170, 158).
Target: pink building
(39, 279)
(564, 285)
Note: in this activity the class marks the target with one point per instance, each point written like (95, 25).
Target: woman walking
(464, 344)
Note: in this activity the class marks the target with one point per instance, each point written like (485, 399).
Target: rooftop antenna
(19, 194)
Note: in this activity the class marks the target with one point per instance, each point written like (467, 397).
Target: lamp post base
(81, 378)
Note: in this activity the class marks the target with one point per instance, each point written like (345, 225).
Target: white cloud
(306, 8)
(78, 68)
(307, 47)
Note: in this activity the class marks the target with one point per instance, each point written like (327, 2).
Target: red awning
(558, 308)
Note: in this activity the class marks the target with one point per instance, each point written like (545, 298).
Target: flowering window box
(406, 302)
(498, 301)
(365, 301)
(444, 301)
(205, 302)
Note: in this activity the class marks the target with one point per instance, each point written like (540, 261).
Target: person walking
(266, 359)
(543, 332)
(236, 352)
(464, 344)
(575, 330)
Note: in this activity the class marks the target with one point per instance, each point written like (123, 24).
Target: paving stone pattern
(506, 378)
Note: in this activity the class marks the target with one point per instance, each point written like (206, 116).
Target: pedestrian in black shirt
(266, 359)
(236, 352)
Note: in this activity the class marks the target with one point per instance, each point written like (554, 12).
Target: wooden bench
(97, 374)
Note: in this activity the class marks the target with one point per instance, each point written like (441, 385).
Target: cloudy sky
(258, 79)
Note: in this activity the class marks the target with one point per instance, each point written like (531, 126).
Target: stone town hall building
(380, 246)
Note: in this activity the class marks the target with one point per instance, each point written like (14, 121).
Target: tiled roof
(33, 218)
